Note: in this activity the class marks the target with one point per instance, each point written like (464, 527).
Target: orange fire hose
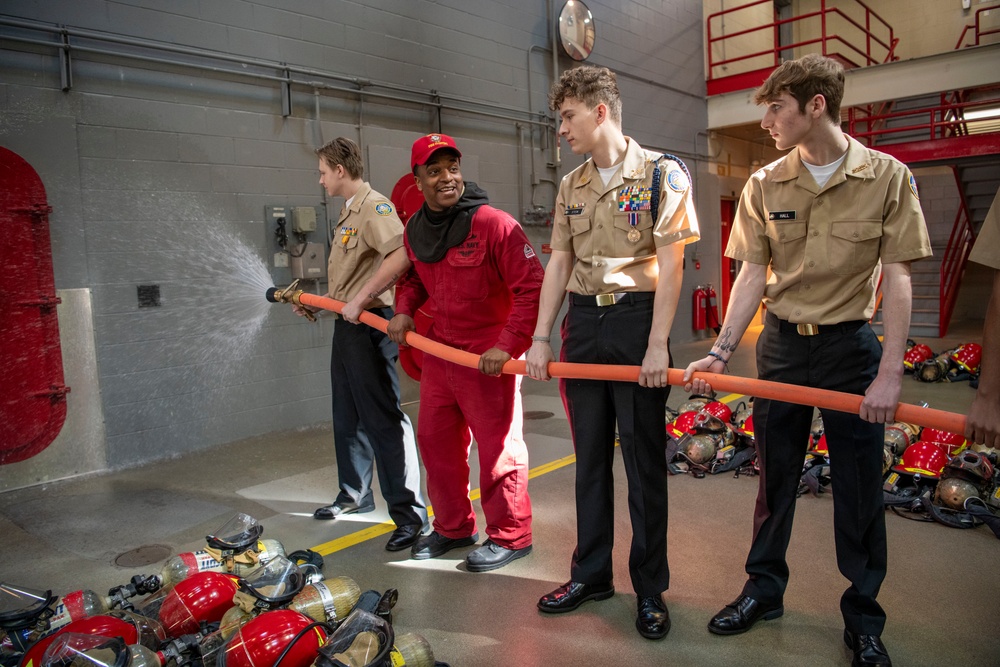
(778, 391)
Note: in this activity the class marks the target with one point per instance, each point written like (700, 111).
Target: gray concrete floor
(941, 594)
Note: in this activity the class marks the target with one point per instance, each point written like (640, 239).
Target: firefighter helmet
(916, 355)
(968, 356)
(953, 443)
(923, 458)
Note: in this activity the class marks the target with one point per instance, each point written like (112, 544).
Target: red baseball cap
(427, 145)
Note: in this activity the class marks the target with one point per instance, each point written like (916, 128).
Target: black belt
(814, 329)
(609, 299)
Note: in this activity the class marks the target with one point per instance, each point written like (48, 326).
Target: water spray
(777, 391)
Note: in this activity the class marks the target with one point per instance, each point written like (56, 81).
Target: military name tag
(781, 215)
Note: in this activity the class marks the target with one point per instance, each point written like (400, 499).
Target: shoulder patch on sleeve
(913, 187)
(529, 252)
(677, 181)
(383, 208)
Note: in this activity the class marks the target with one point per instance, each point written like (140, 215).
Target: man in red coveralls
(475, 261)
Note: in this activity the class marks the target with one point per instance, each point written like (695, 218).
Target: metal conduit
(438, 100)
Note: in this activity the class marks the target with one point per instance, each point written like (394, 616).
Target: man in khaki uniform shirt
(814, 231)
(983, 424)
(622, 268)
(369, 426)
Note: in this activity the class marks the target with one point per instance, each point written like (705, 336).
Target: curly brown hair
(590, 85)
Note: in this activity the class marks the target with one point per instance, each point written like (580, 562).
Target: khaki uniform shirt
(825, 247)
(366, 232)
(610, 228)
(987, 248)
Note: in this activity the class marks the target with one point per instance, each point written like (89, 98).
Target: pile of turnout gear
(955, 365)
(240, 602)
(707, 437)
(929, 474)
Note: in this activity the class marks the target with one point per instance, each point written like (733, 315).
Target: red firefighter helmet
(746, 428)
(923, 458)
(720, 410)
(264, 638)
(953, 443)
(684, 423)
(915, 355)
(202, 597)
(819, 447)
(968, 356)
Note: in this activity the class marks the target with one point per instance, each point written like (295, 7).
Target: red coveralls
(485, 294)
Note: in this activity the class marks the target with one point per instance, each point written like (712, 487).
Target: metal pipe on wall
(438, 101)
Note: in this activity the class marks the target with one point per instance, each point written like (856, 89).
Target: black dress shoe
(403, 537)
(654, 619)
(328, 512)
(868, 650)
(572, 594)
(740, 615)
(491, 556)
(433, 545)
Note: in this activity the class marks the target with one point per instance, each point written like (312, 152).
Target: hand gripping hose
(778, 391)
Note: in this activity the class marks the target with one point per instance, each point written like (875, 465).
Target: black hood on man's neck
(431, 233)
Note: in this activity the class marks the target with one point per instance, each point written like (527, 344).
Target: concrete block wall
(158, 174)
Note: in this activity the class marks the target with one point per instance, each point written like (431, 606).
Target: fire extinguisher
(711, 312)
(699, 308)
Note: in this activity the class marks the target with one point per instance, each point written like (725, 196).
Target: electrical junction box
(307, 261)
(303, 219)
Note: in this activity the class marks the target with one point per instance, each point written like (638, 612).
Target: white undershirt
(607, 172)
(823, 173)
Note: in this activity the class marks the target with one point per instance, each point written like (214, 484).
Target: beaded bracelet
(540, 339)
(718, 356)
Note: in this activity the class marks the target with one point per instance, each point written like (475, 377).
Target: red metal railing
(877, 35)
(978, 31)
(946, 120)
(956, 254)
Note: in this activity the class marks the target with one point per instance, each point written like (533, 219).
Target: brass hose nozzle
(289, 295)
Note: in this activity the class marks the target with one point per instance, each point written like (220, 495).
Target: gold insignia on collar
(637, 173)
(861, 168)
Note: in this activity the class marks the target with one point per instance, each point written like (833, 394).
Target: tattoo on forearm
(724, 343)
(392, 281)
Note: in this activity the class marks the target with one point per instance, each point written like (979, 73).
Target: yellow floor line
(385, 527)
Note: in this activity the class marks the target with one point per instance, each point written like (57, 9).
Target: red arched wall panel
(32, 393)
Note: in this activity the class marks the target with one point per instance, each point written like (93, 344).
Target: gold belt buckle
(605, 299)
(807, 329)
